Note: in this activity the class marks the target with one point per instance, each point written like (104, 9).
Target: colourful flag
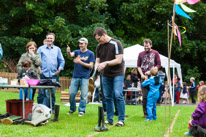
(180, 12)
(186, 9)
(191, 2)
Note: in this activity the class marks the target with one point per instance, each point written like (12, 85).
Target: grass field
(75, 126)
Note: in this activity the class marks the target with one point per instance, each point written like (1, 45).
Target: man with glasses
(109, 61)
(83, 63)
(146, 60)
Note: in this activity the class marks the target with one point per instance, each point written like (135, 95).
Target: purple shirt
(147, 60)
(199, 115)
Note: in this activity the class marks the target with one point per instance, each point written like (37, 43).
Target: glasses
(98, 38)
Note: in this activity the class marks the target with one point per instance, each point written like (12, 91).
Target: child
(184, 91)
(201, 83)
(154, 82)
(193, 89)
(26, 73)
(199, 115)
(177, 90)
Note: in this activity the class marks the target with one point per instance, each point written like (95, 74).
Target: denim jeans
(25, 93)
(43, 94)
(77, 83)
(113, 89)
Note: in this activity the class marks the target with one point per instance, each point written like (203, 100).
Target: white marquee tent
(131, 55)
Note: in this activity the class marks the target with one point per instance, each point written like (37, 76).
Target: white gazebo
(131, 55)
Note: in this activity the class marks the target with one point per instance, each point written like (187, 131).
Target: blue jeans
(113, 88)
(25, 93)
(43, 94)
(77, 83)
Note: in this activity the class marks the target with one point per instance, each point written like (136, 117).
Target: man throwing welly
(109, 60)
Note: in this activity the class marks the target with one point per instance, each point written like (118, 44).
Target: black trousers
(193, 97)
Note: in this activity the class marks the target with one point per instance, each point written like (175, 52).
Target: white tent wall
(130, 57)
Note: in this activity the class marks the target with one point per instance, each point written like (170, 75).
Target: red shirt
(147, 60)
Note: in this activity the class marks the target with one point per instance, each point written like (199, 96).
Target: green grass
(75, 126)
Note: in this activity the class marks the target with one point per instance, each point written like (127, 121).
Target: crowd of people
(47, 61)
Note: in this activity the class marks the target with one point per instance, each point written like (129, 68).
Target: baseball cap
(83, 40)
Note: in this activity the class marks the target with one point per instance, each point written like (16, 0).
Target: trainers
(187, 133)
(147, 119)
(81, 114)
(120, 124)
(70, 112)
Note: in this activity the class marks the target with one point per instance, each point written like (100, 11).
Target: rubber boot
(7, 121)
(98, 128)
(103, 127)
(91, 81)
(37, 121)
(56, 113)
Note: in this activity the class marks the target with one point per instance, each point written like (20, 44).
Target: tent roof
(131, 55)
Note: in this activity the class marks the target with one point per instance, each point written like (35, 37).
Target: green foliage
(194, 72)
(129, 21)
(13, 45)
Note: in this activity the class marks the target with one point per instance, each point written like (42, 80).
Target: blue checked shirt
(51, 60)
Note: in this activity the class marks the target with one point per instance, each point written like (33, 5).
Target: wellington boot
(37, 121)
(91, 81)
(56, 113)
(98, 127)
(7, 121)
(91, 88)
(103, 127)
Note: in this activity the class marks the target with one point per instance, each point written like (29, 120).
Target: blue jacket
(153, 86)
(193, 87)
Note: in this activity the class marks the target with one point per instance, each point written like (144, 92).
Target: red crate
(14, 107)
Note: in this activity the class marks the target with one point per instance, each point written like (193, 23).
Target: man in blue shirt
(52, 62)
(83, 63)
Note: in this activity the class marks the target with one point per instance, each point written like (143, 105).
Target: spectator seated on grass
(199, 115)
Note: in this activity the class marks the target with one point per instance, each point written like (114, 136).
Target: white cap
(83, 40)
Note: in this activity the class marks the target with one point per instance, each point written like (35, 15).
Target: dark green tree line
(128, 20)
